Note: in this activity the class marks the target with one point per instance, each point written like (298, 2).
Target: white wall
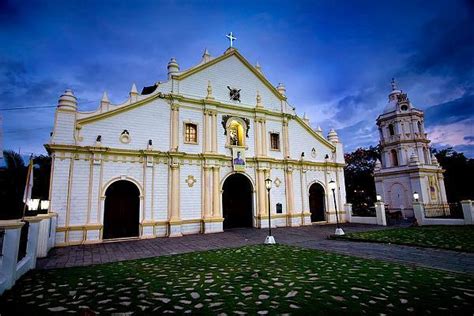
(149, 121)
(229, 72)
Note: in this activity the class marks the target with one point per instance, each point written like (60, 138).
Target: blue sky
(336, 58)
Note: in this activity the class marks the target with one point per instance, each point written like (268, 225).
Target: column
(258, 145)
(175, 220)
(214, 132)
(207, 192)
(216, 205)
(174, 127)
(286, 143)
(289, 195)
(264, 138)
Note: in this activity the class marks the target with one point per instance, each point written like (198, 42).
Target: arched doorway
(316, 202)
(122, 210)
(237, 202)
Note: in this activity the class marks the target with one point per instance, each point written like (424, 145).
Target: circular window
(404, 107)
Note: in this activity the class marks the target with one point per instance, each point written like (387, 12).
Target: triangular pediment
(229, 70)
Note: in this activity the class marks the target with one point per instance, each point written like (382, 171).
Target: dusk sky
(336, 58)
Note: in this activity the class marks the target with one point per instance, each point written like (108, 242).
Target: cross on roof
(231, 38)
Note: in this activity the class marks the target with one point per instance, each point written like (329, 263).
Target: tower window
(394, 156)
(190, 133)
(391, 130)
(274, 141)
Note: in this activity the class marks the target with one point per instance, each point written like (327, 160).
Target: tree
(359, 176)
(12, 184)
(13, 181)
(458, 175)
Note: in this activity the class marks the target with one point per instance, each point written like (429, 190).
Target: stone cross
(231, 38)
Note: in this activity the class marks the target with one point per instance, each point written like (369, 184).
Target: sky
(336, 58)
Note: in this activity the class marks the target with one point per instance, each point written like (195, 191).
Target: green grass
(251, 279)
(459, 238)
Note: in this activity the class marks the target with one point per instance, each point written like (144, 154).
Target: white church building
(407, 171)
(190, 155)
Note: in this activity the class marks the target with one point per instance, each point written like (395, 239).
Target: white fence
(40, 240)
(378, 219)
(467, 210)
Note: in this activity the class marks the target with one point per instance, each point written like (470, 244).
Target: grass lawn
(460, 238)
(253, 279)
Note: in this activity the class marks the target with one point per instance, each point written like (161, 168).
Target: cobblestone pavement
(314, 237)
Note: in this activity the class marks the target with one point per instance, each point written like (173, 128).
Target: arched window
(394, 157)
(391, 130)
(236, 133)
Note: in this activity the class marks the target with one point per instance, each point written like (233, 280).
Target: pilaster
(174, 127)
(174, 214)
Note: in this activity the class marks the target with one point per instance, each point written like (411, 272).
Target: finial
(105, 98)
(259, 100)
(258, 67)
(209, 91)
(319, 130)
(133, 93)
(104, 103)
(306, 119)
(173, 67)
(206, 56)
(282, 89)
(134, 89)
(394, 84)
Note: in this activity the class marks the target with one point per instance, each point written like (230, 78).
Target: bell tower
(406, 166)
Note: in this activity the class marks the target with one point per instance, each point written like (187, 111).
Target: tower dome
(67, 100)
(173, 67)
(332, 136)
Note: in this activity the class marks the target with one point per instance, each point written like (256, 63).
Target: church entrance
(316, 202)
(122, 210)
(237, 202)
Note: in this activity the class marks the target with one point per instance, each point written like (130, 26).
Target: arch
(115, 179)
(398, 196)
(391, 129)
(236, 127)
(317, 202)
(237, 201)
(394, 157)
(121, 210)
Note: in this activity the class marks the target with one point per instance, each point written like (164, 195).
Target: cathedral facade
(407, 170)
(191, 155)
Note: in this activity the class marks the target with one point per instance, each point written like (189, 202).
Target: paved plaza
(314, 237)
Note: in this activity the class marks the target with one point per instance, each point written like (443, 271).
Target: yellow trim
(314, 134)
(184, 155)
(124, 108)
(11, 224)
(235, 53)
(213, 220)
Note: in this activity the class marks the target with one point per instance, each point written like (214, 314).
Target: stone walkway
(314, 237)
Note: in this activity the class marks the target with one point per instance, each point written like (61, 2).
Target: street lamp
(332, 186)
(33, 204)
(378, 197)
(416, 196)
(269, 239)
(44, 204)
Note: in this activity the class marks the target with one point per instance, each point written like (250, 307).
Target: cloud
(469, 139)
(450, 112)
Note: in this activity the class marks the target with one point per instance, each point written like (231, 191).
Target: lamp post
(416, 196)
(332, 186)
(269, 239)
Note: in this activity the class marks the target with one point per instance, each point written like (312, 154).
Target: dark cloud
(445, 48)
(469, 139)
(450, 112)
